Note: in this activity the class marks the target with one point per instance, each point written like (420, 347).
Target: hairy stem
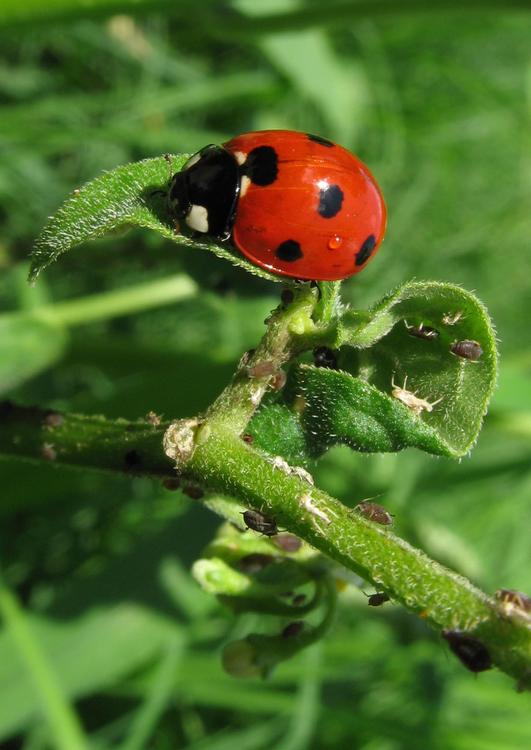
(90, 442)
(286, 329)
(443, 598)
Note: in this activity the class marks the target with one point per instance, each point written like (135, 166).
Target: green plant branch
(443, 598)
(284, 338)
(209, 450)
(89, 442)
(224, 463)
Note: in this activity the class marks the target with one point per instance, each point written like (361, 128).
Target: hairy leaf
(401, 387)
(128, 196)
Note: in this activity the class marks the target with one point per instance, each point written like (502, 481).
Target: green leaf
(28, 344)
(342, 409)
(356, 405)
(131, 195)
(425, 302)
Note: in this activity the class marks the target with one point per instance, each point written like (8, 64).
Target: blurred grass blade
(131, 195)
(337, 89)
(89, 653)
(307, 706)
(29, 11)
(28, 344)
(157, 699)
(50, 696)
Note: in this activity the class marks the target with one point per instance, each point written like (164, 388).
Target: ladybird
(292, 203)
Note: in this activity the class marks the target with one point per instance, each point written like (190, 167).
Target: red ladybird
(293, 203)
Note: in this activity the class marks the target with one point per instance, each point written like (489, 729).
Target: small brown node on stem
(48, 451)
(52, 419)
(153, 418)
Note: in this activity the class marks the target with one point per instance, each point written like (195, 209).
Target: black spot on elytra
(330, 201)
(261, 165)
(364, 253)
(289, 251)
(320, 140)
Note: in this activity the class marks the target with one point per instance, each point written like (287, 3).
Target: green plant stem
(90, 442)
(440, 596)
(62, 719)
(283, 339)
(224, 463)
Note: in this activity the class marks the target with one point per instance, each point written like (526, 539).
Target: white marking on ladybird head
(244, 185)
(197, 219)
(240, 157)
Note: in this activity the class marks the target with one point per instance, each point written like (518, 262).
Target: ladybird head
(205, 191)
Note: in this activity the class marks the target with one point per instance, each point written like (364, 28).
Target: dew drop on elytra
(335, 242)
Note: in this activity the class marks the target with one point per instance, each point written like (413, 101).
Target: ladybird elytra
(295, 204)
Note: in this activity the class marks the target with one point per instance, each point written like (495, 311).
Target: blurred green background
(439, 106)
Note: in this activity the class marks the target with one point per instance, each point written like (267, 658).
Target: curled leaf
(417, 370)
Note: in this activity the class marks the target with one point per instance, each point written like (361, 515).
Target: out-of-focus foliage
(438, 105)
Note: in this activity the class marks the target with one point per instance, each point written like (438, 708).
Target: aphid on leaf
(293, 629)
(467, 349)
(255, 562)
(278, 380)
(261, 369)
(422, 332)
(323, 356)
(287, 542)
(450, 319)
(410, 399)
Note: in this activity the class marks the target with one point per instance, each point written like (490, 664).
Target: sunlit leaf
(398, 386)
(131, 195)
